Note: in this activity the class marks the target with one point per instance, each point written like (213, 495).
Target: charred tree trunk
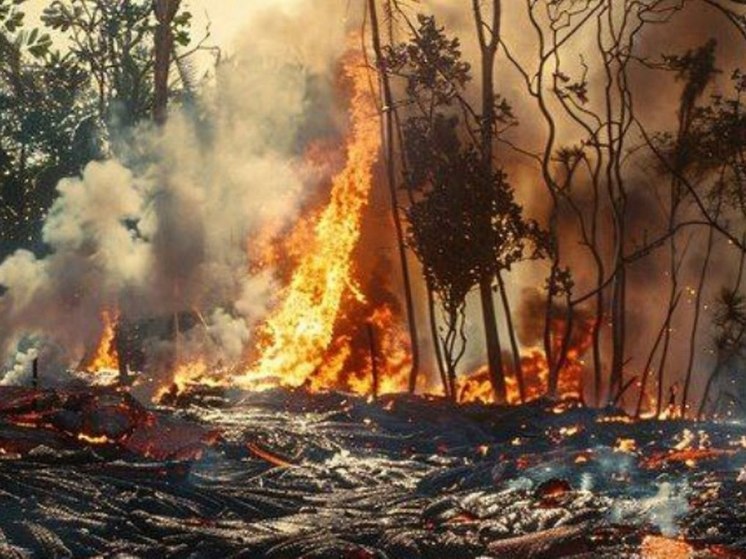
(698, 75)
(165, 11)
(722, 360)
(494, 350)
(388, 125)
(556, 368)
(436, 344)
(647, 370)
(695, 322)
(517, 365)
(488, 47)
(35, 373)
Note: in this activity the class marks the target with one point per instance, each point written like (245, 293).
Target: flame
(186, 375)
(476, 386)
(296, 336)
(106, 356)
(627, 446)
(392, 354)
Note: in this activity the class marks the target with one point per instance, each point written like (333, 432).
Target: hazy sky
(227, 17)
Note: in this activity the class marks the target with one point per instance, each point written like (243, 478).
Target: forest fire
(403, 280)
(476, 386)
(190, 375)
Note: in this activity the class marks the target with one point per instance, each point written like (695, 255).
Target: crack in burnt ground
(286, 474)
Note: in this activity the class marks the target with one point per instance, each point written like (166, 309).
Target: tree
(165, 12)
(389, 141)
(465, 225)
(45, 126)
(117, 42)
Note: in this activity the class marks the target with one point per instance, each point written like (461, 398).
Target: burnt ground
(285, 474)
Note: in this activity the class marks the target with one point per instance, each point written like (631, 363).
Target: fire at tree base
(89, 471)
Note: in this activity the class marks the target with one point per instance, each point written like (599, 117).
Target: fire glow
(105, 357)
(299, 331)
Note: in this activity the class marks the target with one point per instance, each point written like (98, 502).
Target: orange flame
(391, 351)
(106, 356)
(296, 335)
(476, 386)
(186, 375)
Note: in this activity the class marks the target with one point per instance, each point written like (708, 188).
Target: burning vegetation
(406, 288)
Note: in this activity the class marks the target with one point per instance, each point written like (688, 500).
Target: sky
(226, 17)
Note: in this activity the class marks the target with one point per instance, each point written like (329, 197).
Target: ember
(654, 547)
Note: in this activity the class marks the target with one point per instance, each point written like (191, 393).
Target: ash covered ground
(90, 472)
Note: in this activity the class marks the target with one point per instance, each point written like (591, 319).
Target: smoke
(168, 225)
(20, 370)
(656, 98)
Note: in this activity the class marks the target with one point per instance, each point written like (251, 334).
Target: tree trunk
(695, 322)
(436, 344)
(492, 338)
(555, 368)
(165, 10)
(648, 365)
(388, 124)
(488, 48)
(518, 367)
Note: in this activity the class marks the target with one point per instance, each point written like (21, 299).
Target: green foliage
(114, 40)
(43, 107)
(718, 145)
(464, 222)
(11, 16)
(467, 223)
(58, 110)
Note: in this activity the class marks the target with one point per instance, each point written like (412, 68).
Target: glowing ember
(268, 456)
(195, 373)
(297, 334)
(658, 547)
(628, 446)
(105, 357)
(90, 439)
(690, 457)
